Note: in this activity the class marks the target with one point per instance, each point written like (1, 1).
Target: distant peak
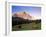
(24, 15)
(24, 12)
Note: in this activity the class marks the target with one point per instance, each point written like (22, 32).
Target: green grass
(30, 26)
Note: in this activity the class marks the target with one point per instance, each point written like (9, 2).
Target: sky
(34, 11)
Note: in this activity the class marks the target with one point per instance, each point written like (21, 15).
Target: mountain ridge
(24, 15)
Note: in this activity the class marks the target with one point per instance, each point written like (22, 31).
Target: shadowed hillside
(18, 21)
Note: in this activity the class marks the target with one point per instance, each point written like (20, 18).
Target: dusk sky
(34, 11)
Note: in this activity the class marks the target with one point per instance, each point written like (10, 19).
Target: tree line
(19, 21)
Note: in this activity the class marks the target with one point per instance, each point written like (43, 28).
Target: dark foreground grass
(30, 26)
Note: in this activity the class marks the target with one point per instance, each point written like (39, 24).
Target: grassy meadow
(29, 26)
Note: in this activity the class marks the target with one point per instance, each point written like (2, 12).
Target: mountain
(25, 15)
(22, 18)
